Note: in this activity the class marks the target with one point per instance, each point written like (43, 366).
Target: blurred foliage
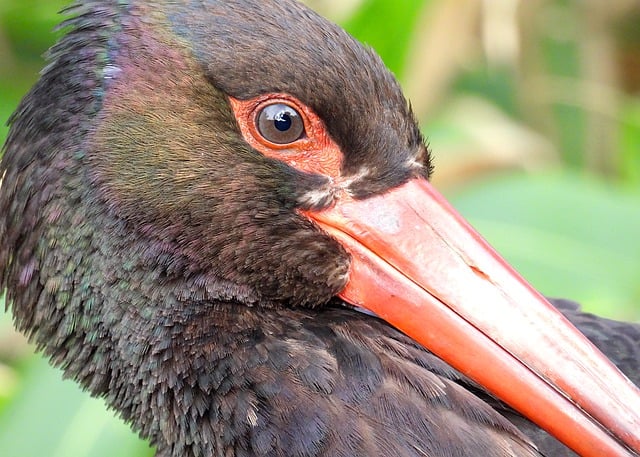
(532, 110)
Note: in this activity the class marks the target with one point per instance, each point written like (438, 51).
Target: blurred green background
(532, 109)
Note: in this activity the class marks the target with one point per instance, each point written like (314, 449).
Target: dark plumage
(161, 262)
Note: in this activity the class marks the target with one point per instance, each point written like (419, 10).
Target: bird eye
(280, 123)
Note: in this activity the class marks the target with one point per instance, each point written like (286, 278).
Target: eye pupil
(280, 123)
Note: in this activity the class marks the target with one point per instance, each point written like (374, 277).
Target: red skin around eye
(314, 152)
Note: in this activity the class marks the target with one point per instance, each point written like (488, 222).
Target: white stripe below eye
(328, 193)
(317, 197)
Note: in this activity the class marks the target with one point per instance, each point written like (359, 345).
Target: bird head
(175, 155)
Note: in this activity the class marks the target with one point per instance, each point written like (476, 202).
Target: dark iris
(280, 123)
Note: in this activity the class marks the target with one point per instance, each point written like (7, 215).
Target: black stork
(200, 197)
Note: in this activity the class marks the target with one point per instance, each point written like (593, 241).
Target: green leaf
(54, 418)
(397, 19)
(570, 236)
(630, 142)
(28, 25)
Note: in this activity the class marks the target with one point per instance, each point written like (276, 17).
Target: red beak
(418, 265)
